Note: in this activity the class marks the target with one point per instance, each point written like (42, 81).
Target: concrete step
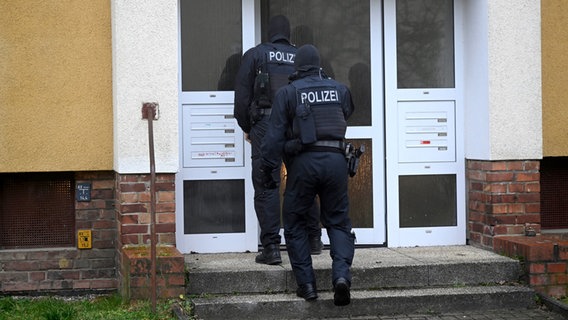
(364, 303)
(372, 268)
(385, 281)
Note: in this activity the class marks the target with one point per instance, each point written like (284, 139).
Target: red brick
(556, 291)
(538, 280)
(515, 166)
(523, 176)
(133, 208)
(166, 207)
(531, 165)
(528, 197)
(82, 284)
(166, 218)
(134, 228)
(175, 280)
(104, 284)
(540, 253)
(559, 267)
(516, 187)
(165, 227)
(498, 187)
(533, 208)
(500, 176)
(560, 278)
(532, 187)
(499, 208)
(166, 196)
(133, 187)
(536, 267)
(165, 186)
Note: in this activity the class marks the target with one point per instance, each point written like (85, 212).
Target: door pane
(211, 40)
(341, 32)
(214, 206)
(427, 200)
(425, 43)
(361, 188)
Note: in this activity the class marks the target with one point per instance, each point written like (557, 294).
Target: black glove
(293, 147)
(270, 177)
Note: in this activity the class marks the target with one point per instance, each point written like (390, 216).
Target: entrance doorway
(215, 211)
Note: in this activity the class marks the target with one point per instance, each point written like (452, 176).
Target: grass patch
(99, 308)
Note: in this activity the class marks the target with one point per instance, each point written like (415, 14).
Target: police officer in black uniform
(308, 124)
(264, 69)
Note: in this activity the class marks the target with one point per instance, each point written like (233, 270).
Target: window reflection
(425, 43)
(211, 39)
(427, 200)
(341, 32)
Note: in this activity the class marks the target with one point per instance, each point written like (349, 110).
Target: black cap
(307, 55)
(279, 26)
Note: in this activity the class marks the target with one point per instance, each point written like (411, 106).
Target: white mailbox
(427, 131)
(211, 137)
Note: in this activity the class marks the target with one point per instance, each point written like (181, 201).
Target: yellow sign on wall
(84, 239)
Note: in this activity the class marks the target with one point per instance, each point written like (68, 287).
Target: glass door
(348, 35)
(424, 127)
(214, 211)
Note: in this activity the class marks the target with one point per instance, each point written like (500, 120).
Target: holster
(353, 155)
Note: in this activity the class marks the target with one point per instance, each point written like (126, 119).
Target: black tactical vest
(273, 72)
(318, 112)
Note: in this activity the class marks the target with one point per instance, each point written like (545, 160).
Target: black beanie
(279, 25)
(307, 55)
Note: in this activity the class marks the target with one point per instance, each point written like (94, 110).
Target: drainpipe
(149, 111)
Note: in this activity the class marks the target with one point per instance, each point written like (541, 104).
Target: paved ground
(533, 314)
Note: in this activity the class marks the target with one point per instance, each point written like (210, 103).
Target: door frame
(422, 236)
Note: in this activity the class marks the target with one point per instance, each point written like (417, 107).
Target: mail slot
(211, 137)
(426, 131)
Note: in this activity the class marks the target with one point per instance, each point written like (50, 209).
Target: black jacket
(252, 60)
(284, 110)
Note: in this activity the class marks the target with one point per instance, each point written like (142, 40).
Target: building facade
(458, 102)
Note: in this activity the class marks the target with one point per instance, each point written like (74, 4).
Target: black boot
(342, 296)
(269, 255)
(307, 291)
(316, 245)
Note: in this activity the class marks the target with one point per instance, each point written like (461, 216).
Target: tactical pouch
(254, 113)
(306, 124)
(262, 90)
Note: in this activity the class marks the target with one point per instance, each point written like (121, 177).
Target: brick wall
(503, 199)
(133, 211)
(56, 269)
(133, 208)
(544, 258)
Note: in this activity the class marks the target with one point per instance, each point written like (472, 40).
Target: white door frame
(248, 241)
(217, 242)
(422, 236)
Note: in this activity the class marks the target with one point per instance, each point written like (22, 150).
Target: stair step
(364, 303)
(373, 268)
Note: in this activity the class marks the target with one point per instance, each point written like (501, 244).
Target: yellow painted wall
(555, 77)
(55, 85)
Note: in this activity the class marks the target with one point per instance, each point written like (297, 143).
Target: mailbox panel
(426, 131)
(211, 137)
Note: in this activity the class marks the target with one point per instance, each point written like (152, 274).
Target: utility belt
(337, 144)
(352, 154)
(325, 146)
(257, 113)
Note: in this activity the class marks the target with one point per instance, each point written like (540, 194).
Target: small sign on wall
(84, 239)
(83, 191)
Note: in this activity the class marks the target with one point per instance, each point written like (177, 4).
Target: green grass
(100, 308)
